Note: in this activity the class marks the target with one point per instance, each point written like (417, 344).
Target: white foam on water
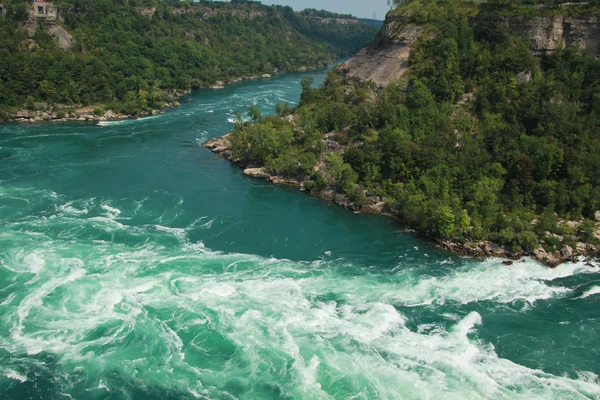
(111, 212)
(527, 281)
(223, 290)
(9, 299)
(68, 208)
(139, 205)
(101, 385)
(15, 376)
(147, 309)
(466, 325)
(113, 123)
(36, 262)
(179, 233)
(591, 292)
(127, 121)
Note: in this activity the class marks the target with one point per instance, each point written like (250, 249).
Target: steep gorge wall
(386, 59)
(547, 34)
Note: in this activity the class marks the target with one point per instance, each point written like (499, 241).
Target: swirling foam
(176, 315)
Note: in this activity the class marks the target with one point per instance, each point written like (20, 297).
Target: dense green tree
(124, 58)
(480, 140)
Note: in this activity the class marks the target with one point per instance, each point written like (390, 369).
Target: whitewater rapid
(304, 327)
(135, 265)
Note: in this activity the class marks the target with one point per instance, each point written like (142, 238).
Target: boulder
(220, 149)
(377, 207)
(260, 173)
(495, 248)
(552, 260)
(266, 75)
(507, 262)
(567, 251)
(342, 200)
(22, 114)
(110, 115)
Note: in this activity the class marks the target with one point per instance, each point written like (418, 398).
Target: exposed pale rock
(573, 224)
(260, 173)
(567, 252)
(63, 37)
(386, 59)
(377, 207)
(550, 33)
(552, 260)
(524, 76)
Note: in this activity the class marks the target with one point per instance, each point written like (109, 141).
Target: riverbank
(376, 205)
(44, 112)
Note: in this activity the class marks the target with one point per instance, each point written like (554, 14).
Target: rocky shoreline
(221, 84)
(43, 112)
(375, 205)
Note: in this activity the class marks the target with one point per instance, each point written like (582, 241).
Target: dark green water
(135, 265)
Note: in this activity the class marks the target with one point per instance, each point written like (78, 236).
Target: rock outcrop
(386, 59)
(63, 38)
(548, 34)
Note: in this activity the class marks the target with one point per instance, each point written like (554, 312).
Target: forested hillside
(479, 140)
(127, 53)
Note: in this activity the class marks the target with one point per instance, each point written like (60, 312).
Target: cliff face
(547, 34)
(386, 59)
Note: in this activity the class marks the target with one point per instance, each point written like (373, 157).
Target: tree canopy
(126, 53)
(479, 140)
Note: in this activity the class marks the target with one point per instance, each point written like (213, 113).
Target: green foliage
(126, 60)
(480, 140)
(259, 144)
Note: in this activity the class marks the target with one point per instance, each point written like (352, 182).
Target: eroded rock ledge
(386, 59)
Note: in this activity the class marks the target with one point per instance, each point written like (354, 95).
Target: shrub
(309, 185)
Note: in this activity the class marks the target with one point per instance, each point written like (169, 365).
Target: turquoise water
(136, 265)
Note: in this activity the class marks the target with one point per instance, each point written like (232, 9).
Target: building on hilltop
(40, 7)
(44, 9)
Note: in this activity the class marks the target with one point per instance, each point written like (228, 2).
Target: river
(136, 265)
